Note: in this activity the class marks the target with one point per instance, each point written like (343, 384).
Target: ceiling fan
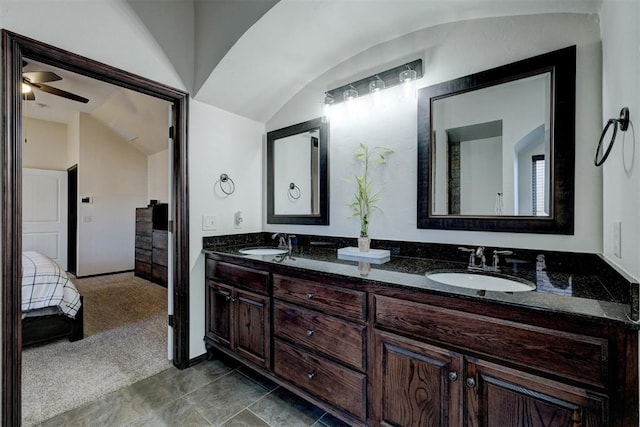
(37, 79)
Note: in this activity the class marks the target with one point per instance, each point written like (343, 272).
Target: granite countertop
(583, 295)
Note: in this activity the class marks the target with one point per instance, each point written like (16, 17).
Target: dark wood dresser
(151, 259)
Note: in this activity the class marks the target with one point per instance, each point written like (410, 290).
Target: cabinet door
(252, 327)
(416, 384)
(218, 316)
(498, 396)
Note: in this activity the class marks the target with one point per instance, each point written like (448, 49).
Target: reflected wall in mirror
(496, 148)
(297, 176)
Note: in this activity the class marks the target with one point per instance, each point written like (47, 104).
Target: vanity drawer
(244, 277)
(330, 299)
(329, 381)
(568, 355)
(336, 338)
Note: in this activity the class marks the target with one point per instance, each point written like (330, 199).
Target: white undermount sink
(479, 281)
(263, 251)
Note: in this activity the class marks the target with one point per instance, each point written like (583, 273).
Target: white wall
(620, 26)
(292, 160)
(115, 175)
(450, 51)
(220, 142)
(46, 145)
(158, 176)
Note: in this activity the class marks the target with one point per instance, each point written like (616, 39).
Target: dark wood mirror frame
(323, 217)
(14, 48)
(562, 65)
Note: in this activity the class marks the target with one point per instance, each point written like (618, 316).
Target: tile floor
(213, 393)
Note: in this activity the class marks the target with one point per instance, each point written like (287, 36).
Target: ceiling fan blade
(29, 96)
(63, 93)
(41, 76)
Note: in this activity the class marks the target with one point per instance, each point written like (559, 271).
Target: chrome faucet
(496, 258)
(480, 255)
(282, 242)
(473, 254)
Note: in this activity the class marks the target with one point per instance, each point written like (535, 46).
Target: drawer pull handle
(453, 376)
(310, 332)
(309, 295)
(471, 383)
(311, 375)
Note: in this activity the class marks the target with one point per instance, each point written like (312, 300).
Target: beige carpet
(125, 324)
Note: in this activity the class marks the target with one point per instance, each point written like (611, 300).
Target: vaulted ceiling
(250, 57)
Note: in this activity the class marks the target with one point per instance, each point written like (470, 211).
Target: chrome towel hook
(623, 121)
(231, 186)
(294, 191)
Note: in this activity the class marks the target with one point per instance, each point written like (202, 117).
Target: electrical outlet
(208, 223)
(617, 239)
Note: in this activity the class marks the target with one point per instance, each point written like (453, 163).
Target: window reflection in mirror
(483, 145)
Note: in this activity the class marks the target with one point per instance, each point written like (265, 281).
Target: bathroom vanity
(396, 348)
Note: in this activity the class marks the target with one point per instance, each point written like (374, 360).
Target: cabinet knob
(311, 375)
(309, 295)
(471, 382)
(310, 332)
(227, 298)
(453, 376)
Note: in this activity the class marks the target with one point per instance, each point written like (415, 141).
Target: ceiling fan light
(26, 88)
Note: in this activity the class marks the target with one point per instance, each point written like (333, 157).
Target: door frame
(14, 48)
(72, 219)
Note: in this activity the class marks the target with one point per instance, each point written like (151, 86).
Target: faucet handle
(503, 252)
(462, 249)
(496, 258)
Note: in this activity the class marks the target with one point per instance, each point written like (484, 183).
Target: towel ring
(294, 191)
(623, 120)
(224, 179)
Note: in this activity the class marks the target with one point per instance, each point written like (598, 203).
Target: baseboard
(197, 360)
(104, 274)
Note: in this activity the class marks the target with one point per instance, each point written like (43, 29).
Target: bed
(51, 305)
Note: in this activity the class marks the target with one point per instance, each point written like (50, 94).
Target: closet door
(44, 213)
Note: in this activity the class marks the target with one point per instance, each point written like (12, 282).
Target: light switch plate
(208, 223)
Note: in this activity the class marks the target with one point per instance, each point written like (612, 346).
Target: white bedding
(45, 284)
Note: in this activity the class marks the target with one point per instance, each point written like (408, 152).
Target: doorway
(15, 47)
(72, 217)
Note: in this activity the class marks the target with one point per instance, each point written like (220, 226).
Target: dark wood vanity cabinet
(320, 341)
(377, 355)
(238, 311)
(424, 384)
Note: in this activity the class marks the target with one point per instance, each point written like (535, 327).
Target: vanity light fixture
(407, 75)
(376, 85)
(409, 71)
(350, 94)
(329, 100)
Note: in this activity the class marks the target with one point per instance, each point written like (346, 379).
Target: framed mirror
(496, 149)
(297, 174)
